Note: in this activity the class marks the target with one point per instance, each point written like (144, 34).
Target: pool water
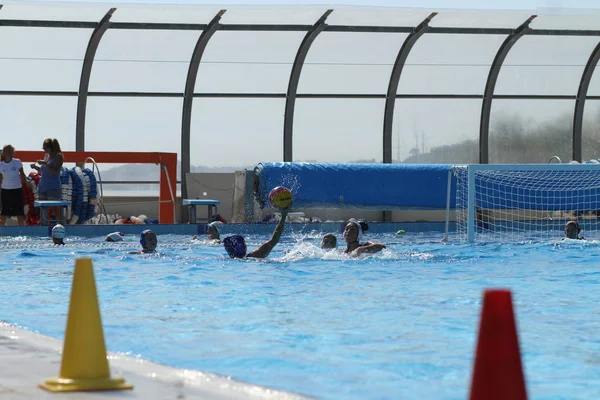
(398, 324)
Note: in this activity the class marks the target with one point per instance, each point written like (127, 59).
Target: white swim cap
(217, 225)
(360, 236)
(115, 237)
(58, 232)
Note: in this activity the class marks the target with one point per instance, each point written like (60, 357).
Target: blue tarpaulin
(358, 186)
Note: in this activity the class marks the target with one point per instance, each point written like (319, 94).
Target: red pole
(168, 188)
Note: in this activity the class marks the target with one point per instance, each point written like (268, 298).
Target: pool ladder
(555, 158)
(100, 199)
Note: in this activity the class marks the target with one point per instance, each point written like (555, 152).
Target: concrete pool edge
(192, 229)
(30, 358)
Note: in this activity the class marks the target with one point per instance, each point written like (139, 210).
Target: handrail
(135, 182)
(554, 157)
(99, 182)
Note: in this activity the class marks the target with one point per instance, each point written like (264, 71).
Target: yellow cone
(84, 365)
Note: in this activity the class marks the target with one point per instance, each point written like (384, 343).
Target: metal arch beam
(290, 102)
(84, 82)
(390, 98)
(584, 85)
(188, 96)
(490, 85)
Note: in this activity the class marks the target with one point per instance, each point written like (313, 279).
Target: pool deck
(28, 358)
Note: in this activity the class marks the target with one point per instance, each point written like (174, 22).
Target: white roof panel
(54, 12)
(481, 18)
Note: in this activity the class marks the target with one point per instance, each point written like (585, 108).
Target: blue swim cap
(235, 246)
(143, 237)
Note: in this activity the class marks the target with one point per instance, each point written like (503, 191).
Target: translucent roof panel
(436, 131)
(589, 21)
(449, 64)
(143, 61)
(377, 16)
(41, 58)
(28, 120)
(272, 14)
(165, 14)
(236, 132)
(480, 18)
(530, 131)
(333, 130)
(133, 124)
(590, 140)
(547, 65)
(248, 62)
(350, 63)
(54, 12)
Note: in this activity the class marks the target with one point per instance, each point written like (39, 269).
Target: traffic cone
(84, 365)
(498, 373)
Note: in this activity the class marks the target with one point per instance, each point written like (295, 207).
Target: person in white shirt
(11, 178)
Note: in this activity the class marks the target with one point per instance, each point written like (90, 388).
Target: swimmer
(352, 234)
(329, 242)
(114, 237)
(148, 241)
(213, 232)
(572, 230)
(58, 234)
(236, 245)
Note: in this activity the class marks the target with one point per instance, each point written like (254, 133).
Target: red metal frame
(166, 208)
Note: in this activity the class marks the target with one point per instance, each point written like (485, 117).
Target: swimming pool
(399, 324)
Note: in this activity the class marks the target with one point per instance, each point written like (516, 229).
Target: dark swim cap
(235, 246)
(143, 237)
(576, 225)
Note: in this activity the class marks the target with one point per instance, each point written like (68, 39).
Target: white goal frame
(472, 176)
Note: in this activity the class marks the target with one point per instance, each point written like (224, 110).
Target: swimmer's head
(58, 234)
(114, 237)
(148, 240)
(572, 229)
(213, 230)
(353, 231)
(329, 241)
(235, 246)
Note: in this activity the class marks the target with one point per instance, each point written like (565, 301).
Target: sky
(238, 132)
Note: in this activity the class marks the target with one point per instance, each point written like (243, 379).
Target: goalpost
(523, 201)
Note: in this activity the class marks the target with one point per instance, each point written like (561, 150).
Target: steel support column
(390, 98)
(486, 106)
(188, 98)
(84, 82)
(584, 85)
(290, 102)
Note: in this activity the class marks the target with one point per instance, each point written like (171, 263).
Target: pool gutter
(30, 358)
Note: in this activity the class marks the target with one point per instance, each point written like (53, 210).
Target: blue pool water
(399, 324)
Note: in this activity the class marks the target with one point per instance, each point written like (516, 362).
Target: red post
(168, 188)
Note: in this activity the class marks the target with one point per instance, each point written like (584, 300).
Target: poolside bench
(191, 204)
(45, 204)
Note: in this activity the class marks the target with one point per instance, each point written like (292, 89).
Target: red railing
(166, 161)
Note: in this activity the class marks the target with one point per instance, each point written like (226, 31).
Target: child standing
(11, 178)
